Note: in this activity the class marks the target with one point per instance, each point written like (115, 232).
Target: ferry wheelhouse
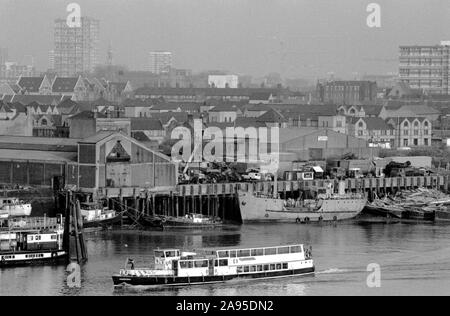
(173, 267)
(34, 240)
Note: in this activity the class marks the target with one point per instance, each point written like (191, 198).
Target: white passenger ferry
(173, 267)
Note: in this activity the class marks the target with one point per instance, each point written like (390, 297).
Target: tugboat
(326, 207)
(96, 216)
(173, 267)
(32, 240)
(13, 207)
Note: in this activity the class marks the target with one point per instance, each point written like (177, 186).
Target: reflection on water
(414, 259)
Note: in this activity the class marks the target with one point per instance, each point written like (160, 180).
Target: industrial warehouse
(108, 159)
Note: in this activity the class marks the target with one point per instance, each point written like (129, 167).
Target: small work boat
(96, 216)
(13, 207)
(173, 267)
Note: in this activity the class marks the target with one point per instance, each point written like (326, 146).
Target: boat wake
(332, 271)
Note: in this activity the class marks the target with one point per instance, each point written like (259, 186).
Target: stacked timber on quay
(415, 204)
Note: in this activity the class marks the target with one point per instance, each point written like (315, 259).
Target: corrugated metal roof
(53, 156)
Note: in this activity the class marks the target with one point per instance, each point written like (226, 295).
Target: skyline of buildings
(76, 51)
(159, 62)
(76, 48)
(426, 67)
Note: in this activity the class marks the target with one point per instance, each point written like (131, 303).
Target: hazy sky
(298, 38)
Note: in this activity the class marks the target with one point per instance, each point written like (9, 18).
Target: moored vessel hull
(32, 258)
(102, 223)
(442, 216)
(264, 209)
(163, 281)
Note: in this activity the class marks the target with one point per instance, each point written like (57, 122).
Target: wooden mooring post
(76, 230)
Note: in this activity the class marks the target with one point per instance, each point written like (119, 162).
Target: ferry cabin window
(216, 263)
(183, 264)
(266, 267)
(278, 266)
(246, 269)
(272, 267)
(243, 253)
(260, 268)
(295, 249)
(190, 264)
(159, 254)
(239, 269)
(257, 252)
(201, 263)
(270, 251)
(285, 265)
(253, 269)
(283, 250)
(171, 253)
(223, 262)
(233, 253)
(223, 254)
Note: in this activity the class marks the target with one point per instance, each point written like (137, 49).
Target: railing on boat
(34, 223)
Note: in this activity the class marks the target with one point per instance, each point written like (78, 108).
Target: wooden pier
(219, 199)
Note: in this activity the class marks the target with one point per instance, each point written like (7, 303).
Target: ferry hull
(164, 281)
(39, 258)
(262, 209)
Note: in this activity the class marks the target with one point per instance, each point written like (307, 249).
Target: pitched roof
(134, 103)
(67, 103)
(248, 122)
(64, 84)
(140, 136)
(118, 86)
(5, 108)
(373, 109)
(101, 102)
(224, 108)
(272, 116)
(86, 115)
(145, 124)
(166, 106)
(260, 96)
(310, 110)
(18, 106)
(165, 117)
(26, 99)
(373, 123)
(30, 84)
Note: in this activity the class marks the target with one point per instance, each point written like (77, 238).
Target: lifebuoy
(54, 254)
(320, 218)
(3, 259)
(163, 220)
(267, 215)
(335, 218)
(298, 220)
(243, 203)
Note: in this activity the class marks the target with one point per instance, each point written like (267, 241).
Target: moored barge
(28, 241)
(173, 267)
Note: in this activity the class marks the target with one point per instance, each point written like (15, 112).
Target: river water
(414, 259)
